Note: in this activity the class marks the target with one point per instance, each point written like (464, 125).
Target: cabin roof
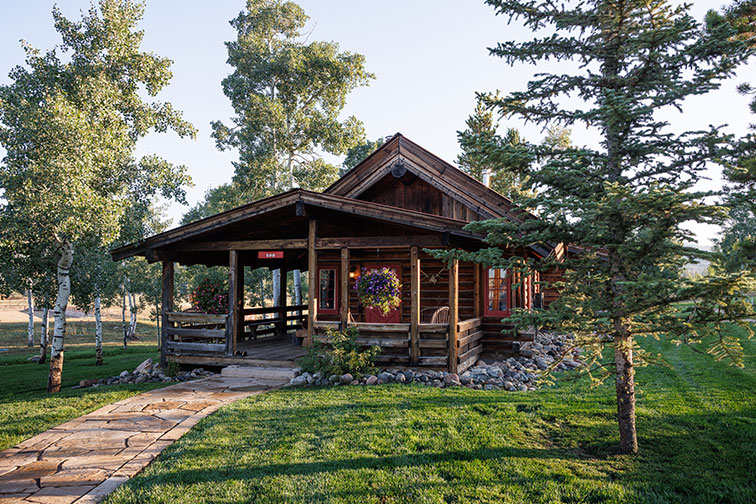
(343, 197)
(292, 199)
(443, 175)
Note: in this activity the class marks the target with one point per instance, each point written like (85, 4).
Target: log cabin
(388, 211)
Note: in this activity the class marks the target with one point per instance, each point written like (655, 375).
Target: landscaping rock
(144, 368)
(452, 380)
(385, 377)
(400, 378)
(371, 380)
(346, 378)
(298, 381)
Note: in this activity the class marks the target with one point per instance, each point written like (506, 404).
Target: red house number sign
(270, 254)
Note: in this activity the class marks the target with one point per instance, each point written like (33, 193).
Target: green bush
(342, 354)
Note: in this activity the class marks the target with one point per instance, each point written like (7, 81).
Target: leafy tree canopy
(287, 94)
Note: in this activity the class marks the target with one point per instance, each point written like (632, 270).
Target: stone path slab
(86, 458)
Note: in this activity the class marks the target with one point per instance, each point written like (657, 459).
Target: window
(327, 290)
(497, 292)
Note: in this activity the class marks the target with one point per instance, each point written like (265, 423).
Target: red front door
(376, 316)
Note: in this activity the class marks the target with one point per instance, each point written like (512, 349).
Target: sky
(430, 57)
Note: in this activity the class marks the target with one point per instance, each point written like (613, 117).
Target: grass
(27, 409)
(408, 444)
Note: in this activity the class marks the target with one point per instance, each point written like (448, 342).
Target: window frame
(507, 280)
(335, 309)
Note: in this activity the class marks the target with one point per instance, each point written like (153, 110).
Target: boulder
(371, 380)
(385, 376)
(141, 378)
(452, 380)
(298, 381)
(346, 378)
(400, 378)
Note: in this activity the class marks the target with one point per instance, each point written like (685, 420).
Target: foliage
(359, 152)
(379, 288)
(342, 354)
(70, 128)
(480, 140)
(210, 297)
(409, 444)
(287, 94)
(623, 207)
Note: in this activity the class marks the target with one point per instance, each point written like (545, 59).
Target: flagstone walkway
(86, 458)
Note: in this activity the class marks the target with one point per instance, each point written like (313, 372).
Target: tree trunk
(30, 305)
(43, 337)
(123, 310)
(276, 286)
(297, 287)
(59, 312)
(262, 295)
(98, 331)
(157, 318)
(132, 316)
(625, 383)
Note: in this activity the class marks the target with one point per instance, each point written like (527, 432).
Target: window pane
(327, 289)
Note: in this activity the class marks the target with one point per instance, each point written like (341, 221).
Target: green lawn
(27, 409)
(392, 444)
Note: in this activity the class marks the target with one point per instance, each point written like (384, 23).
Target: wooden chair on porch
(434, 315)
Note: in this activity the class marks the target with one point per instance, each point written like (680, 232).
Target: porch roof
(283, 215)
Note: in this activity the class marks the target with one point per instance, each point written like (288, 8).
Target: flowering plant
(210, 297)
(379, 288)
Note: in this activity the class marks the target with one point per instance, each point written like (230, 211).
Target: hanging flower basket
(380, 289)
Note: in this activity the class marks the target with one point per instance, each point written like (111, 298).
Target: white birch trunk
(30, 305)
(132, 316)
(98, 331)
(276, 286)
(157, 319)
(59, 312)
(123, 311)
(43, 337)
(297, 287)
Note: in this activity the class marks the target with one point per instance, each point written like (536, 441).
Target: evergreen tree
(627, 202)
(484, 150)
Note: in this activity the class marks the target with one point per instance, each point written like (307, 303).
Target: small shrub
(341, 355)
(210, 297)
(172, 369)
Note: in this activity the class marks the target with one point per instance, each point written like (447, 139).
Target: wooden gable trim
(431, 169)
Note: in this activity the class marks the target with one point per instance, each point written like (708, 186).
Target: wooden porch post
(414, 306)
(167, 306)
(453, 314)
(344, 288)
(282, 302)
(235, 301)
(312, 275)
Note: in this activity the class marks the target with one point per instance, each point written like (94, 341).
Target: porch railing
(257, 324)
(196, 332)
(433, 341)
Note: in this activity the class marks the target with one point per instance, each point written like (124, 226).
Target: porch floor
(273, 348)
(276, 351)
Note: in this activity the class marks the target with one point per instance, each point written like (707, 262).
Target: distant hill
(699, 267)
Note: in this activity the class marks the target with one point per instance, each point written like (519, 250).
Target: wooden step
(259, 372)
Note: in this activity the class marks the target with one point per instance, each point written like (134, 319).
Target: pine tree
(482, 149)
(624, 206)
